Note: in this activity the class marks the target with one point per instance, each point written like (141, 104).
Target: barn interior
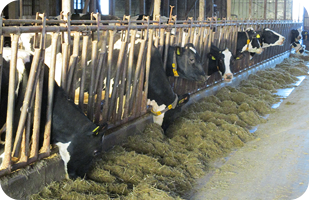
(228, 114)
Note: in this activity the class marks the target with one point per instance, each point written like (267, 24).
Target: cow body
(299, 48)
(248, 41)
(166, 105)
(76, 136)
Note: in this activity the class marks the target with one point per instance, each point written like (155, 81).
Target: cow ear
(183, 99)
(210, 56)
(178, 50)
(100, 128)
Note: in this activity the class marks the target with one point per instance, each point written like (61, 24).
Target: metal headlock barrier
(107, 85)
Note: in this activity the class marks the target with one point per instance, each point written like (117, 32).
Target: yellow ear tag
(178, 52)
(174, 70)
(96, 130)
(213, 58)
(258, 36)
(170, 106)
(237, 58)
(248, 41)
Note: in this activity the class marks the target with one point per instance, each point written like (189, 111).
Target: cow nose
(228, 77)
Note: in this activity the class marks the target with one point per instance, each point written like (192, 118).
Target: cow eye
(192, 60)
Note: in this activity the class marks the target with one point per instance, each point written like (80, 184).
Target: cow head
(271, 38)
(253, 44)
(221, 61)
(295, 35)
(79, 152)
(185, 62)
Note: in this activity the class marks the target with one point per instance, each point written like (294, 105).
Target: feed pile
(154, 165)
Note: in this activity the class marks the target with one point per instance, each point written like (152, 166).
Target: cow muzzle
(282, 41)
(228, 77)
(259, 51)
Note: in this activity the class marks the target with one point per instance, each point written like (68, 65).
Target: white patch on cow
(64, 153)
(24, 40)
(58, 67)
(279, 42)
(156, 108)
(227, 60)
(2, 157)
(192, 49)
(251, 49)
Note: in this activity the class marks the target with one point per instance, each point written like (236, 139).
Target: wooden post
(265, 9)
(13, 9)
(93, 6)
(228, 8)
(20, 9)
(284, 10)
(111, 7)
(250, 9)
(142, 6)
(86, 6)
(276, 9)
(201, 12)
(128, 7)
(157, 7)
(66, 6)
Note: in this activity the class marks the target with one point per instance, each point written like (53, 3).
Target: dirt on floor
(154, 165)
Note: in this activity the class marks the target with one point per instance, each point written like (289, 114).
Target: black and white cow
(185, 62)
(270, 38)
(299, 48)
(248, 40)
(296, 35)
(78, 139)
(221, 61)
(166, 105)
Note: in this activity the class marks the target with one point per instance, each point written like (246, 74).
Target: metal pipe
(83, 67)
(105, 112)
(30, 88)
(91, 91)
(6, 162)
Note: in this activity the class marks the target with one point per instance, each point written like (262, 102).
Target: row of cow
(79, 140)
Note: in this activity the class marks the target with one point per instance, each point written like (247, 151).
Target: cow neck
(171, 65)
(66, 127)
(159, 88)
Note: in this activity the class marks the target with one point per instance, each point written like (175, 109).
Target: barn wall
(241, 9)
(306, 20)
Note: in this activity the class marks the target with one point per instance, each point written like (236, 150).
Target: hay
(152, 165)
